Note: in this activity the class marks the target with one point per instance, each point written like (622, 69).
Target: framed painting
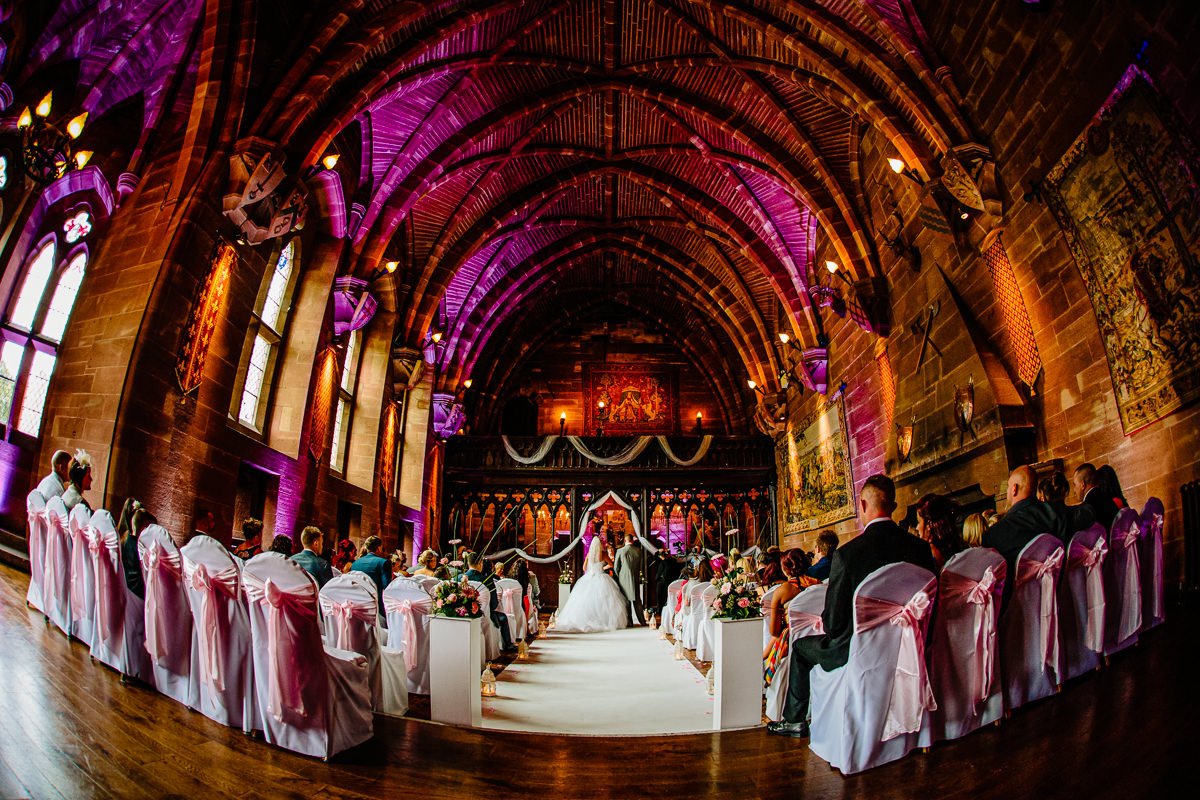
(1125, 196)
(812, 459)
(630, 399)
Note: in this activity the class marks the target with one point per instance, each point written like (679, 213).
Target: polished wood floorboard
(69, 729)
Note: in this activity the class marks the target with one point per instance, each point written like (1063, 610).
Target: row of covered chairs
(1070, 607)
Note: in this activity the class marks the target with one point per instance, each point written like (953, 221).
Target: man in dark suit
(882, 542)
(666, 569)
(475, 573)
(1026, 518)
(309, 557)
(1091, 495)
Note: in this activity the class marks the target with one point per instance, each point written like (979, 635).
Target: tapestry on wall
(812, 459)
(630, 399)
(202, 321)
(1125, 195)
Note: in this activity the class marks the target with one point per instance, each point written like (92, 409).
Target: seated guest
(973, 527)
(79, 480)
(1090, 494)
(1026, 518)
(935, 524)
(667, 569)
(475, 572)
(400, 564)
(535, 591)
(206, 523)
(283, 545)
(746, 567)
(827, 542)
(769, 572)
(125, 521)
(881, 543)
(311, 539)
(429, 564)
(54, 484)
(344, 553)
(1106, 481)
(1053, 491)
(371, 562)
(131, 563)
(252, 533)
(795, 564)
(442, 573)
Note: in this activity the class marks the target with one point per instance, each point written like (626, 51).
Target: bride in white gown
(595, 603)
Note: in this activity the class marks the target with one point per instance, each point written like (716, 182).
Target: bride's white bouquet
(735, 600)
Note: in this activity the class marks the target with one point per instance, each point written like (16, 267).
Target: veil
(594, 561)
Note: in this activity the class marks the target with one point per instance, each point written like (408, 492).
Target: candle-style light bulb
(896, 164)
(43, 108)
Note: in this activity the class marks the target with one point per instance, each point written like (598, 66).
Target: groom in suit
(628, 565)
(882, 542)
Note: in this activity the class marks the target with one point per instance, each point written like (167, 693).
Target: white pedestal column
(737, 695)
(455, 652)
(564, 591)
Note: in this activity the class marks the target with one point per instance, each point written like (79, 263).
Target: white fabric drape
(627, 455)
(637, 530)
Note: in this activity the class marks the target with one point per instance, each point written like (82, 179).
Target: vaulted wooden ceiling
(510, 152)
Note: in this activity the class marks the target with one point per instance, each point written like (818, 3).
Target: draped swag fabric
(626, 455)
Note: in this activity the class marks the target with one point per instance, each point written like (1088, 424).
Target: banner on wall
(202, 321)
(630, 399)
(812, 460)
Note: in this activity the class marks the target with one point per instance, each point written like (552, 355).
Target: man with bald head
(54, 484)
(882, 542)
(1026, 518)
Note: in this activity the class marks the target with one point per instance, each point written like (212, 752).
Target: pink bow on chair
(407, 609)
(1047, 573)
(984, 594)
(345, 612)
(160, 566)
(911, 693)
(1131, 609)
(296, 652)
(1091, 560)
(509, 597)
(212, 652)
(104, 611)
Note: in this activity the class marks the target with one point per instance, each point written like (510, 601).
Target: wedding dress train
(596, 603)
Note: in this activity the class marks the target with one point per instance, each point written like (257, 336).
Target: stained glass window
(254, 380)
(339, 428)
(77, 227)
(55, 323)
(266, 331)
(33, 287)
(10, 368)
(279, 282)
(34, 398)
(3, 172)
(345, 406)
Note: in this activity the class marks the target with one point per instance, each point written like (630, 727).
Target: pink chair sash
(912, 693)
(104, 611)
(509, 598)
(1047, 573)
(161, 567)
(984, 593)
(1131, 582)
(811, 624)
(407, 609)
(209, 639)
(295, 656)
(1092, 561)
(79, 554)
(55, 535)
(343, 613)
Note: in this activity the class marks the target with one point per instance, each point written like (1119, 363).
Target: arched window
(344, 417)
(264, 340)
(34, 328)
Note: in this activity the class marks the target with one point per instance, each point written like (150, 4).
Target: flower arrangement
(735, 600)
(454, 599)
(566, 574)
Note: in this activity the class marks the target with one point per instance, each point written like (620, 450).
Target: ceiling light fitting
(48, 153)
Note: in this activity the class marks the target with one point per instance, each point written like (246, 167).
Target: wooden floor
(71, 730)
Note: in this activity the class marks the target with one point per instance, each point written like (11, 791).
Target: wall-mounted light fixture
(386, 268)
(330, 161)
(755, 387)
(900, 168)
(562, 423)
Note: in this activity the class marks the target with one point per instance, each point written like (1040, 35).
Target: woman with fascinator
(79, 480)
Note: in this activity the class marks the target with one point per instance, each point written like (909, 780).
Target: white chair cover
(695, 613)
(667, 618)
(763, 601)
(1150, 554)
(1081, 604)
(120, 631)
(513, 607)
(803, 619)
(56, 574)
(869, 711)
(531, 611)
(312, 698)
(706, 626)
(491, 636)
(407, 606)
(35, 508)
(222, 661)
(350, 607)
(1122, 583)
(427, 582)
(1029, 627)
(83, 575)
(963, 646)
(168, 617)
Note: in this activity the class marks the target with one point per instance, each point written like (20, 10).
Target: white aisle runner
(620, 682)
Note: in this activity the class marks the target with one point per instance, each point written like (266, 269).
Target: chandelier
(48, 152)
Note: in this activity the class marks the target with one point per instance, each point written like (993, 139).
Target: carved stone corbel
(969, 175)
(815, 364)
(261, 199)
